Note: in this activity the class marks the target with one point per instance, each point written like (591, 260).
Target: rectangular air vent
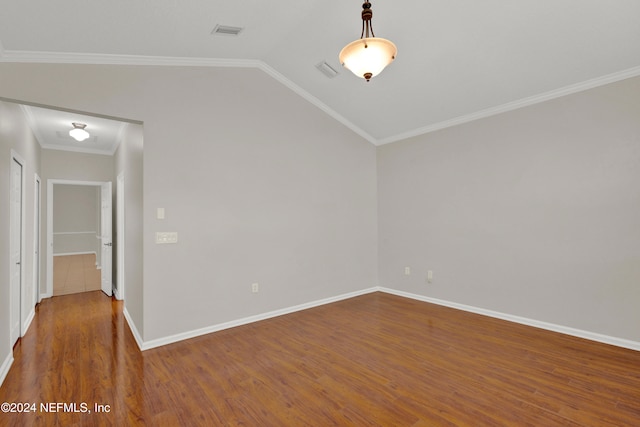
(327, 69)
(226, 30)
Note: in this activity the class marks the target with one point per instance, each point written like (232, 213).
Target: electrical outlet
(429, 276)
(255, 288)
(407, 271)
(163, 237)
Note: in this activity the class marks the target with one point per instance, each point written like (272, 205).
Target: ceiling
(51, 128)
(458, 60)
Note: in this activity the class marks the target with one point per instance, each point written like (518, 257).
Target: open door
(105, 235)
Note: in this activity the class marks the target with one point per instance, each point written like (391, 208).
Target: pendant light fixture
(78, 133)
(369, 55)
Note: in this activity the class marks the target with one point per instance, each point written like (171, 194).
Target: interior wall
(129, 161)
(15, 134)
(76, 220)
(533, 213)
(261, 187)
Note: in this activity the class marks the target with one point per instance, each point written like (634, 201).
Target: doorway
(79, 236)
(16, 245)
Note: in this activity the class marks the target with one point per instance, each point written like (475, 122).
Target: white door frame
(15, 157)
(106, 238)
(120, 239)
(37, 230)
(50, 183)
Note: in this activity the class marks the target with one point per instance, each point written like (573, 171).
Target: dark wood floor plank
(376, 360)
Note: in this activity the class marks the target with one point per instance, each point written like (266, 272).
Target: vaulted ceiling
(457, 59)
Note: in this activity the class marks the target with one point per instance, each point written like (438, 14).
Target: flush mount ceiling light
(367, 56)
(78, 133)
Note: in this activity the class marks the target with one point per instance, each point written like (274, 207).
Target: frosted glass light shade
(367, 57)
(78, 133)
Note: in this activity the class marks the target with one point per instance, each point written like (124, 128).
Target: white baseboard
(116, 293)
(606, 339)
(134, 330)
(28, 320)
(226, 325)
(6, 365)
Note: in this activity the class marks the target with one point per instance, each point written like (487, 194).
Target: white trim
(31, 121)
(74, 232)
(23, 241)
(146, 345)
(105, 59)
(28, 320)
(37, 238)
(117, 294)
(510, 106)
(120, 236)
(108, 59)
(134, 330)
(85, 150)
(78, 253)
(6, 365)
(315, 101)
(592, 336)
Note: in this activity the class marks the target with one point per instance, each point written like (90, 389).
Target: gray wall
(129, 161)
(76, 219)
(15, 134)
(534, 213)
(260, 185)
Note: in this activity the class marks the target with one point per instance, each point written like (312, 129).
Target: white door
(105, 233)
(15, 244)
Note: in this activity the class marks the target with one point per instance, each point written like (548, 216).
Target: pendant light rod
(369, 55)
(367, 14)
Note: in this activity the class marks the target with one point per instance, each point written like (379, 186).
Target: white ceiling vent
(226, 30)
(327, 69)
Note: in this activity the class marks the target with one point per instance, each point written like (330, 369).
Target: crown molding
(109, 59)
(104, 59)
(31, 121)
(510, 106)
(315, 101)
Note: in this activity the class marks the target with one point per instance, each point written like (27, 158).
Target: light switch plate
(163, 237)
(160, 213)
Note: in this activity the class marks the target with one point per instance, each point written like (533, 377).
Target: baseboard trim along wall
(6, 365)
(146, 345)
(134, 330)
(606, 339)
(28, 320)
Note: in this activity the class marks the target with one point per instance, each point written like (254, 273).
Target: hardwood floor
(374, 360)
(75, 273)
